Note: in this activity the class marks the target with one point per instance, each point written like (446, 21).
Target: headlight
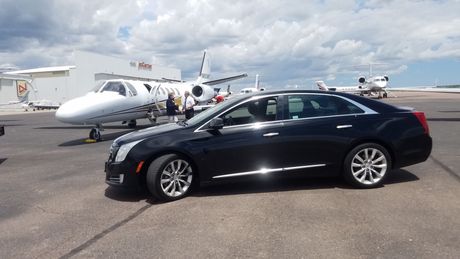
(124, 150)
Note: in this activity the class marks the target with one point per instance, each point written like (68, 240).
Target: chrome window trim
(366, 110)
(266, 171)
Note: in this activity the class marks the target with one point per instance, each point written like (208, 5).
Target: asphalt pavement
(54, 203)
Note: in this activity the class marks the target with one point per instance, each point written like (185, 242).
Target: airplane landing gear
(152, 117)
(385, 95)
(132, 124)
(95, 133)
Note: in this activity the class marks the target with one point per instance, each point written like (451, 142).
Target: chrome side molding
(266, 171)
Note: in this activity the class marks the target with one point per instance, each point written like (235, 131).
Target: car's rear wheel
(367, 165)
(170, 177)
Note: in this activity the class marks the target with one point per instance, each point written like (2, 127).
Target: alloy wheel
(176, 178)
(369, 166)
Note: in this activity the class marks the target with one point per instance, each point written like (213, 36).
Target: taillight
(422, 119)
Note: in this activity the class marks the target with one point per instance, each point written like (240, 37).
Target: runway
(54, 203)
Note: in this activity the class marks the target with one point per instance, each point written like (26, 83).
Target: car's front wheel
(367, 165)
(170, 177)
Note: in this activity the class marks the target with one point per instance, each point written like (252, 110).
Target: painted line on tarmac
(446, 168)
(105, 232)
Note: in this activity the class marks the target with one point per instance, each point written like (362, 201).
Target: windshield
(98, 86)
(116, 86)
(215, 109)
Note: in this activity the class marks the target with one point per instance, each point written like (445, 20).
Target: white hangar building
(60, 84)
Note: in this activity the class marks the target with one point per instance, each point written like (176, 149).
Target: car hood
(145, 133)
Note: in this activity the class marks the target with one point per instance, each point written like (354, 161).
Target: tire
(132, 124)
(170, 177)
(95, 134)
(367, 165)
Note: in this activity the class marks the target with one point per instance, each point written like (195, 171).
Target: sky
(288, 43)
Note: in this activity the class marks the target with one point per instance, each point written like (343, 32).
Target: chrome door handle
(271, 134)
(344, 126)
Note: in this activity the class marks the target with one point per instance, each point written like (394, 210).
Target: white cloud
(284, 42)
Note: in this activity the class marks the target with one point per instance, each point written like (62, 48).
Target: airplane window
(98, 86)
(148, 87)
(131, 88)
(115, 87)
(254, 111)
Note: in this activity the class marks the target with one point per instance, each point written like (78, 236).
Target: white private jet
(256, 87)
(128, 100)
(370, 86)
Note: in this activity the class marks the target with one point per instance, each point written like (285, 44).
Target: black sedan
(277, 133)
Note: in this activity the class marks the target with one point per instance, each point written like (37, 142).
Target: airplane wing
(172, 80)
(223, 80)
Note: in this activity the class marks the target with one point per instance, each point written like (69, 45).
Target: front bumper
(122, 175)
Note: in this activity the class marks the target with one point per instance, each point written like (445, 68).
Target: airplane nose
(65, 113)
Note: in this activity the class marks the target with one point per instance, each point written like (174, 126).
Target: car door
(317, 130)
(247, 143)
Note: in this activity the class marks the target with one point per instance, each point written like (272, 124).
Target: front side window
(260, 110)
(114, 87)
(307, 106)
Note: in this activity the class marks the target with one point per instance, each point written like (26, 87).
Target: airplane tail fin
(24, 98)
(205, 70)
(322, 86)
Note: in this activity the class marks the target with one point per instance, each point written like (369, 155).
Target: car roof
(373, 104)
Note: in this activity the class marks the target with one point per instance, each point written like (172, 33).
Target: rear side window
(307, 106)
(253, 111)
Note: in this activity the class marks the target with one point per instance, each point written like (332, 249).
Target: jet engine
(386, 77)
(362, 80)
(202, 93)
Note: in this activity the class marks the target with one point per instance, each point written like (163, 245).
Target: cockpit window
(131, 88)
(98, 86)
(115, 87)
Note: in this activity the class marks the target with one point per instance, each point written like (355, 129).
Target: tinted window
(306, 106)
(115, 87)
(131, 88)
(253, 111)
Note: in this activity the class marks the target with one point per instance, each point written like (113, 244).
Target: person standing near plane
(188, 105)
(171, 108)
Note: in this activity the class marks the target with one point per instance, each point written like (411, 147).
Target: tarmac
(54, 203)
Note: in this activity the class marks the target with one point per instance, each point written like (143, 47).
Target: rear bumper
(122, 175)
(413, 151)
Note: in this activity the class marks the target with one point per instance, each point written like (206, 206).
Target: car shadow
(126, 195)
(443, 119)
(89, 127)
(294, 184)
(272, 184)
(3, 160)
(105, 137)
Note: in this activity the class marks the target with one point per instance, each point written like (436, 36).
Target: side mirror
(216, 123)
